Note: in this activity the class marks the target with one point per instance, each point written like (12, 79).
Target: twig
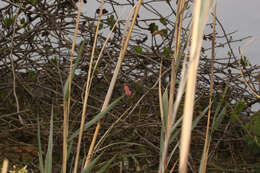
(12, 62)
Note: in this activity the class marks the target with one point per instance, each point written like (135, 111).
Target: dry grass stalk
(66, 105)
(5, 166)
(90, 78)
(113, 81)
(87, 90)
(199, 19)
(208, 138)
(171, 118)
(12, 63)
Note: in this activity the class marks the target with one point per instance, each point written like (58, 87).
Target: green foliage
(164, 32)
(54, 60)
(234, 115)
(31, 74)
(166, 51)
(101, 26)
(18, 170)
(33, 1)
(22, 20)
(92, 164)
(66, 86)
(165, 109)
(2, 94)
(254, 124)
(39, 147)
(153, 27)
(47, 166)
(220, 112)
(111, 21)
(163, 21)
(229, 53)
(97, 117)
(7, 22)
(106, 166)
(244, 62)
(251, 128)
(138, 49)
(218, 116)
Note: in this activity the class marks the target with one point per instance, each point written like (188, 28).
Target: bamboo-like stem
(87, 90)
(112, 83)
(90, 78)
(5, 166)
(207, 138)
(66, 105)
(171, 119)
(160, 95)
(199, 19)
(12, 63)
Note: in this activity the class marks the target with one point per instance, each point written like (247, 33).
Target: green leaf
(33, 1)
(218, 120)
(97, 117)
(165, 108)
(164, 32)
(111, 20)
(106, 166)
(229, 53)
(234, 115)
(39, 146)
(163, 21)
(153, 27)
(54, 60)
(254, 124)
(31, 74)
(175, 131)
(66, 86)
(92, 164)
(138, 49)
(166, 51)
(48, 159)
(7, 22)
(22, 21)
(101, 26)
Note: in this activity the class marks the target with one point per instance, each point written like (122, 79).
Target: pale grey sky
(244, 17)
(236, 15)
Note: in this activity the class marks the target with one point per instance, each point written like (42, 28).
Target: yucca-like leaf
(48, 159)
(91, 165)
(96, 118)
(40, 146)
(106, 166)
(66, 85)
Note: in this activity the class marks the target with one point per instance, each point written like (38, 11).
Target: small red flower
(127, 90)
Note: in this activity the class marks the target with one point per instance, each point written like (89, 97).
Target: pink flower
(127, 90)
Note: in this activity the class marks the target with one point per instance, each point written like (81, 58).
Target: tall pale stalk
(67, 92)
(113, 81)
(5, 166)
(84, 109)
(170, 118)
(200, 16)
(207, 138)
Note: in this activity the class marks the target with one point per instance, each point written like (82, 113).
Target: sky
(235, 15)
(242, 16)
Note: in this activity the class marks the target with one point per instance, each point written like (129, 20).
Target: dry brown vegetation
(34, 65)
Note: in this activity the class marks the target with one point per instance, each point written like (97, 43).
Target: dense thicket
(35, 47)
